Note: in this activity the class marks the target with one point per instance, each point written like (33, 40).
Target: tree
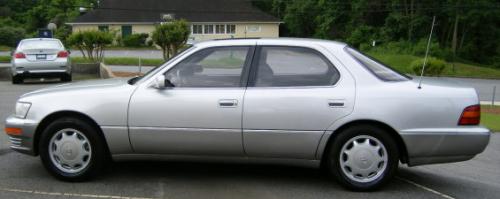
(171, 36)
(10, 36)
(91, 43)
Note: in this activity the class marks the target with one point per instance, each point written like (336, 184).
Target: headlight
(22, 109)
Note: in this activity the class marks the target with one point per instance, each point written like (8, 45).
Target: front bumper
(442, 145)
(23, 143)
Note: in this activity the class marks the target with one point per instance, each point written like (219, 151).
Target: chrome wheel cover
(70, 151)
(363, 159)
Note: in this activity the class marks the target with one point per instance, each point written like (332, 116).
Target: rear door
(295, 93)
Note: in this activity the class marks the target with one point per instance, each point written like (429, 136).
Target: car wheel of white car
(363, 158)
(72, 150)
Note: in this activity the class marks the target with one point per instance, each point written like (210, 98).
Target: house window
(220, 29)
(253, 28)
(126, 31)
(103, 28)
(197, 29)
(231, 29)
(209, 29)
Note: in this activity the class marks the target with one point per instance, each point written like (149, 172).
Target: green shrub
(135, 40)
(433, 67)
(10, 36)
(91, 43)
(149, 42)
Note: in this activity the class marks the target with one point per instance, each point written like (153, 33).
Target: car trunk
(41, 55)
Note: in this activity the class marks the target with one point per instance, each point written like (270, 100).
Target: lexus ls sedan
(277, 101)
(40, 57)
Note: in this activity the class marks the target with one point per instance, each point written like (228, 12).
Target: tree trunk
(454, 42)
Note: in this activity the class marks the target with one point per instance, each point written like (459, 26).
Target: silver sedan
(40, 57)
(276, 101)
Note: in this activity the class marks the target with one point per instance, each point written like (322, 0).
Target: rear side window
(293, 66)
(380, 70)
(40, 44)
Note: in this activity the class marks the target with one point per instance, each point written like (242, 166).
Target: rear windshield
(380, 70)
(40, 44)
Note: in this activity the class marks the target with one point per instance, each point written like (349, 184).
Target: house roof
(151, 11)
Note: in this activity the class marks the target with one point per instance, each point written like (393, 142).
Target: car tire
(17, 79)
(72, 150)
(66, 78)
(362, 158)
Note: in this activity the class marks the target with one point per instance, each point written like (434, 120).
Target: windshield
(380, 70)
(158, 68)
(40, 44)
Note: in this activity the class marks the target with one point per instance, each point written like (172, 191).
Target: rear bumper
(23, 143)
(35, 69)
(442, 145)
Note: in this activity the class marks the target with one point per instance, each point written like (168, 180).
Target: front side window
(380, 70)
(213, 67)
(294, 66)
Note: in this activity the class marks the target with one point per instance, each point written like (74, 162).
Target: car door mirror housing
(159, 82)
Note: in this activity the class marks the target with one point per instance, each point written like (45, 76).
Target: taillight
(470, 116)
(19, 56)
(62, 54)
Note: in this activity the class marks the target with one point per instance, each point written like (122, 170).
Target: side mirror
(159, 82)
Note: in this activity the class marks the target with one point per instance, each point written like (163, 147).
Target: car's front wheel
(72, 150)
(363, 158)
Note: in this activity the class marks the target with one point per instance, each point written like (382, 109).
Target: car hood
(80, 86)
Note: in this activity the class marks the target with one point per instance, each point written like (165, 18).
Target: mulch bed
(491, 110)
(127, 74)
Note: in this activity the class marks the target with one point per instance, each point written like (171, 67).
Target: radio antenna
(426, 53)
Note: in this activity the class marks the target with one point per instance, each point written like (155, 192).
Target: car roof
(41, 39)
(278, 41)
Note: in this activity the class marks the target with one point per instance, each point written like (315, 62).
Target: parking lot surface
(23, 176)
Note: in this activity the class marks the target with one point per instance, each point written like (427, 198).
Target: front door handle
(228, 103)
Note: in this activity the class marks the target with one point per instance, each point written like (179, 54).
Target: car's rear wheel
(363, 158)
(72, 149)
(66, 78)
(17, 79)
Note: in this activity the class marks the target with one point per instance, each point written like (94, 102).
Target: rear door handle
(228, 103)
(336, 103)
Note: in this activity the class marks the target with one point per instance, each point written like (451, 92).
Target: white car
(286, 101)
(40, 57)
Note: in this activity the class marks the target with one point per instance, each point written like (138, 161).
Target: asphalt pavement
(23, 176)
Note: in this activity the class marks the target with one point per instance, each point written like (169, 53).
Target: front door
(201, 114)
(295, 94)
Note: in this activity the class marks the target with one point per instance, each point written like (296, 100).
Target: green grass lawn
(5, 48)
(402, 64)
(4, 59)
(490, 117)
